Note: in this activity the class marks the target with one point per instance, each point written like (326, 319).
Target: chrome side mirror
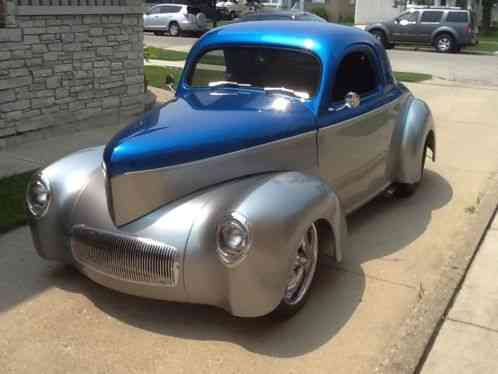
(170, 82)
(352, 100)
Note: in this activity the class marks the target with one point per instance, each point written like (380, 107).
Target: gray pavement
(468, 340)
(54, 320)
(463, 67)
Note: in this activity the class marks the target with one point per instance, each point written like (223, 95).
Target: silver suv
(446, 29)
(174, 19)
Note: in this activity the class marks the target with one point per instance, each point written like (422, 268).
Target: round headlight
(38, 196)
(233, 239)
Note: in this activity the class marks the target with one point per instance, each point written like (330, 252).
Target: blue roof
(324, 39)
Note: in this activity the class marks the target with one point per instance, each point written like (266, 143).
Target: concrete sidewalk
(468, 340)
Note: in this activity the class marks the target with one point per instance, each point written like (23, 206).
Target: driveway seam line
(376, 278)
(472, 324)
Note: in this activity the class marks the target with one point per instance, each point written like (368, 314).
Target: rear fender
(415, 128)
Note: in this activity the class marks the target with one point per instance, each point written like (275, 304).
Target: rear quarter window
(459, 17)
(431, 16)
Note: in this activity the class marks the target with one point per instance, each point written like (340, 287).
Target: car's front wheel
(444, 43)
(301, 275)
(382, 38)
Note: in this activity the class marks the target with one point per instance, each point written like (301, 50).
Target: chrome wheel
(174, 29)
(444, 43)
(303, 269)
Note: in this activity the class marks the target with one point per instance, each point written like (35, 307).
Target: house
(67, 64)
(370, 11)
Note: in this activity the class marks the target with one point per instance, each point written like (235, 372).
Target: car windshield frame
(187, 78)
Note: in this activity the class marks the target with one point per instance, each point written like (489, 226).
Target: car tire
(405, 190)
(301, 277)
(174, 29)
(232, 15)
(444, 43)
(381, 37)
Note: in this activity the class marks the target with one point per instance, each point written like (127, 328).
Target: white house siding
(369, 11)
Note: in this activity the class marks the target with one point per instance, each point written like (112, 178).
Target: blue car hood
(204, 124)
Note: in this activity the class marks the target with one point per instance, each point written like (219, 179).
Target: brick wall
(60, 71)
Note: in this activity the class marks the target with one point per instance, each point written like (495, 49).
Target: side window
(431, 16)
(459, 17)
(409, 16)
(356, 73)
(202, 77)
(155, 10)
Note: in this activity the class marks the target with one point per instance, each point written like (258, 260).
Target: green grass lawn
(12, 190)
(411, 77)
(488, 42)
(154, 53)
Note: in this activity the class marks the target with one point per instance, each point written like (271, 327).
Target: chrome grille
(125, 257)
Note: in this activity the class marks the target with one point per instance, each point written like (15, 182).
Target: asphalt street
(463, 67)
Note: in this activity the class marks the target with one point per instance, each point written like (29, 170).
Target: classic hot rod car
(229, 194)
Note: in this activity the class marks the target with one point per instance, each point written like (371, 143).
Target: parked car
(447, 29)
(280, 15)
(208, 7)
(230, 9)
(229, 194)
(174, 19)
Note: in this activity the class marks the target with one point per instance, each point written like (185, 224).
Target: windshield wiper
(228, 83)
(287, 91)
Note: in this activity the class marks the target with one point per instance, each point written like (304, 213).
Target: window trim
(374, 60)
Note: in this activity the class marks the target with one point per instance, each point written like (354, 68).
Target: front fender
(382, 27)
(67, 177)
(279, 208)
(413, 130)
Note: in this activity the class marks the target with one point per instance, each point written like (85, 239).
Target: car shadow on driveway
(336, 294)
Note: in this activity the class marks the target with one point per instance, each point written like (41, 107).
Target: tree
(487, 10)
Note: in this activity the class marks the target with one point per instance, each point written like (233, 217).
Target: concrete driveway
(54, 320)
(461, 67)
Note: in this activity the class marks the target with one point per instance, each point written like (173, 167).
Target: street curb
(414, 339)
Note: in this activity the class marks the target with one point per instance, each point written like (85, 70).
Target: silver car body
(159, 18)
(169, 215)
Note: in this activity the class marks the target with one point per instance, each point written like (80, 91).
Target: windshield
(271, 69)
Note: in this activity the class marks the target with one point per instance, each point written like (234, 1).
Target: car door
(403, 28)
(429, 22)
(151, 18)
(354, 141)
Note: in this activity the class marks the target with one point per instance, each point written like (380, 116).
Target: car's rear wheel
(232, 15)
(174, 29)
(444, 43)
(301, 275)
(405, 190)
